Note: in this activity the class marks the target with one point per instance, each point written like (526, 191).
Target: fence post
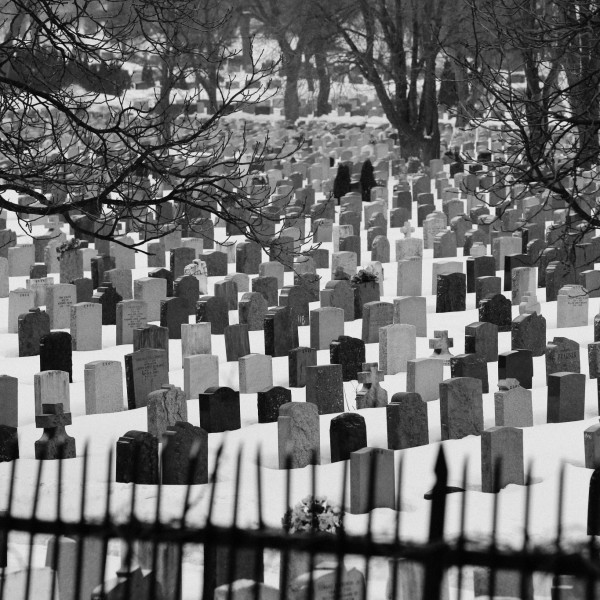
(434, 570)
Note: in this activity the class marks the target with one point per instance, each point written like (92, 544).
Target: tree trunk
(163, 106)
(245, 35)
(308, 72)
(462, 90)
(210, 84)
(291, 72)
(428, 112)
(323, 106)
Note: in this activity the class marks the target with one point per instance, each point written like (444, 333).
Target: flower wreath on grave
(314, 514)
(364, 276)
(72, 244)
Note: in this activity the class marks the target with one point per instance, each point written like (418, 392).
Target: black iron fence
(416, 570)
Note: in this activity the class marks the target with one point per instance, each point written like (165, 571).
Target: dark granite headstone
(461, 408)
(269, 401)
(399, 216)
(267, 286)
(146, 370)
(187, 287)
(451, 293)
(487, 287)
(350, 353)
(137, 458)
(181, 258)
(513, 261)
(252, 309)
(593, 520)
(479, 266)
(311, 282)
(298, 360)
(347, 433)
(482, 339)
(216, 263)
(516, 364)
(237, 342)
(297, 297)
(325, 388)
(367, 291)
(248, 256)
(281, 331)
(528, 331)
(227, 292)
(107, 297)
(558, 274)
(407, 424)
(151, 336)
(351, 243)
(219, 410)
(210, 309)
(174, 313)
(9, 443)
(56, 352)
(470, 365)
(496, 310)
(32, 327)
(99, 265)
(38, 271)
(84, 289)
(338, 293)
(566, 397)
(184, 455)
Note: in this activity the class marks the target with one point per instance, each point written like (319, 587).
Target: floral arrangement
(313, 514)
(72, 244)
(364, 276)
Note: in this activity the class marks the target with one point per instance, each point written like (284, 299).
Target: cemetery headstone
(219, 410)
(461, 408)
(103, 387)
(407, 424)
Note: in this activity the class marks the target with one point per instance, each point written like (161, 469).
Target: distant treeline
(47, 68)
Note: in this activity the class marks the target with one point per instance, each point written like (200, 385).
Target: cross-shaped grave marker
(55, 443)
(407, 229)
(370, 394)
(440, 345)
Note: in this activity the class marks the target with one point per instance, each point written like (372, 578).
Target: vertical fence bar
(341, 534)
(6, 527)
(285, 558)
(232, 554)
(80, 538)
(208, 585)
(526, 574)
(434, 569)
(36, 498)
(56, 538)
(393, 562)
(559, 528)
(463, 525)
(107, 522)
(154, 583)
(493, 545)
(260, 522)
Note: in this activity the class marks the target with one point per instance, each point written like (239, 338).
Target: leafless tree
(536, 68)
(74, 144)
